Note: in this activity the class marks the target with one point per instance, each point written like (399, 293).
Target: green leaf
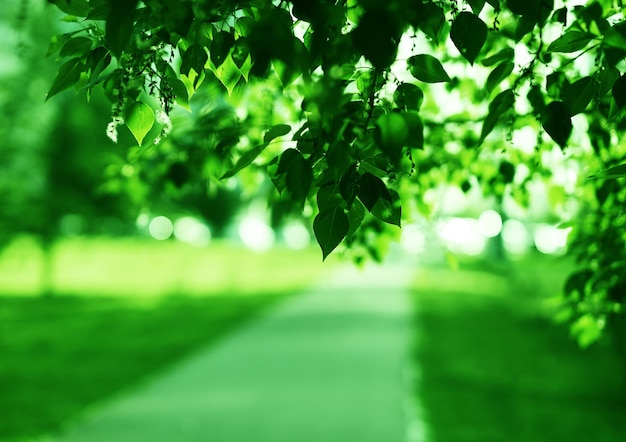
(391, 134)
(619, 92)
(476, 5)
(356, 214)
(579, 94)
(408, 96)
(195, 57)
(330, 228)
(68, 76)
(571, 41)
(118, 29)
(557, 122)
(229, 74)
(76, 46)
(220, 47)
(299, 176)
(371, 189)
(415, 138)
(468, 33)
(276, 131)
(613, 172)
(427, 68)
(79, 8)
(498, 75)
(501, 104)
(388, 211)
(139, 119)
(506, 54)
(606, 78)
(245, 160)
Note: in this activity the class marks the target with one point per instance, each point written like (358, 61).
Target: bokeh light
(190, 230)
(490, 223)
(256, 234)
(296, 235)
(161, 228)
(550, 239)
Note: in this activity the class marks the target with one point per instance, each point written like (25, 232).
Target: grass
(495, 368)
(93, 338)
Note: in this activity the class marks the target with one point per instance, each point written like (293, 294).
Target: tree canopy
(356, 108)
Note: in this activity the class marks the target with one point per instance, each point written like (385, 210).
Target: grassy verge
(495, 368)
(62, 353)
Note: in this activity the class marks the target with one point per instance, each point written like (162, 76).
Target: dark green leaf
(557, 122)
(330, 228)
(476, 5)
(220, 47)
(376, 37)
(606, 78)
(299, 177)
(506, 54)
(619, 92)
(468, 33)
(79, 8)
(536, 10)
(356, 214)
(579, 94)
(328, 198)
(571, 41)
(389, 211)
(68, 76)
(408, 96)
(245, 160)
(391, 134)
(76, 46)
(498, 75)
(427, 68)
(276, 131)
(371, 189)
(195, 57)
(348, 185)
(431, 20)
(501, 104)
(415, 138)
(119, 25)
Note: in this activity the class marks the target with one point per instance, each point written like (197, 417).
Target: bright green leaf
(468, 33)
(391, 134)
(229, 74)
(139, 119)
(330, 228)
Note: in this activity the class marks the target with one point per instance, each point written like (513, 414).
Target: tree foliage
(355, 108)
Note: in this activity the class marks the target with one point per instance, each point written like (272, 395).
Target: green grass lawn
(493, 367)
(94, 337)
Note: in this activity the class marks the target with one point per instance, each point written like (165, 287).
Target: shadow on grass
(494, 368)
(61, 354)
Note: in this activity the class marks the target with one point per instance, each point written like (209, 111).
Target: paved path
(326, 366)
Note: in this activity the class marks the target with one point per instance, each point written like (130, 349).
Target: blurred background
(111, 271)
